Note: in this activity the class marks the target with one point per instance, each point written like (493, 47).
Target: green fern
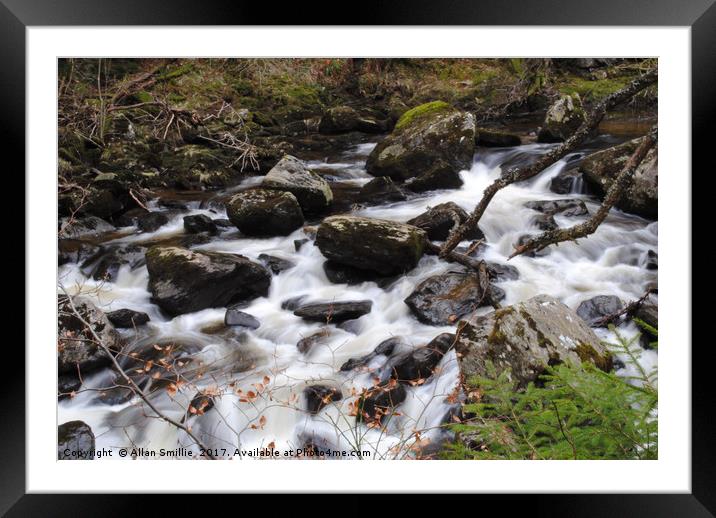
(573, 412)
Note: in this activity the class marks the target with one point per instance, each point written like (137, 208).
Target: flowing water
(266, 364)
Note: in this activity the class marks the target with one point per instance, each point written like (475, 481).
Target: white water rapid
(266, 361)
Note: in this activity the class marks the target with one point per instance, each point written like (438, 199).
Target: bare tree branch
(525, 173)
(615, 192)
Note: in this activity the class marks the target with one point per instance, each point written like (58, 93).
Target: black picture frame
(17, 15)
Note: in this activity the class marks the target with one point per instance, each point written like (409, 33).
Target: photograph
(357, 258)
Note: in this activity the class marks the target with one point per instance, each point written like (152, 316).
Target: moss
(420, 112)
(542, 340)
(176, 72)
(144, 97)
(593, 89)
(497, 337)
(587, 353)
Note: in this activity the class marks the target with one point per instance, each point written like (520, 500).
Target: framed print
(416, 253)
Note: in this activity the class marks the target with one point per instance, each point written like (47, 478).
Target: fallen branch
(627, 310)
(615, 192)
(525, 173)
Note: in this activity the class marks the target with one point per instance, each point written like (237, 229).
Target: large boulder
(439, 220)
(263, 212)
(342, 119)
(426, 137)
(562, 119)
(441, 299)
(184, 281)
(75, 441)
(382, 246)
(78, 344)
(600, 169)
(526, 338)
(291, 174)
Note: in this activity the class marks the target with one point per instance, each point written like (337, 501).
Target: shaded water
(610, 262)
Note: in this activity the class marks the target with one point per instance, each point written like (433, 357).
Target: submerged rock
(379, 401)
(105, 264)
(75, 441)
(127, 318)
(75, 251)
(438, 221)
(235, 317)
(318, 396)
(291, 174)
(562, 119)
(199, 223)
(429, 135)
(493, 138)
(339, 273)
(438, 176)
(333, 312)
(642, 196)
(385, 348)
(381, 190)
(527, 337)
(566, 182)
(421, 362)
(443, 299)
(184, 281)
(378, 245)
(78, 348)
(263, 212)
(307, 343)
(596, 308)
(275, 264)
(152, 221)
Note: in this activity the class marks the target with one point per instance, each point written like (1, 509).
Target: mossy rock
(526, 338)
(426, 137)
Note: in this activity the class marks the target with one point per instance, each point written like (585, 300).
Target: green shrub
(574, 412)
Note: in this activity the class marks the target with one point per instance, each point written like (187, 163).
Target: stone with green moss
(562, 119)
(291, 174)
(377, 245)
(432, 138)
(526, 338)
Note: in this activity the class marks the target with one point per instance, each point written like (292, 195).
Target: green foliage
(419, 112)
(574, 412)
(650, 330)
